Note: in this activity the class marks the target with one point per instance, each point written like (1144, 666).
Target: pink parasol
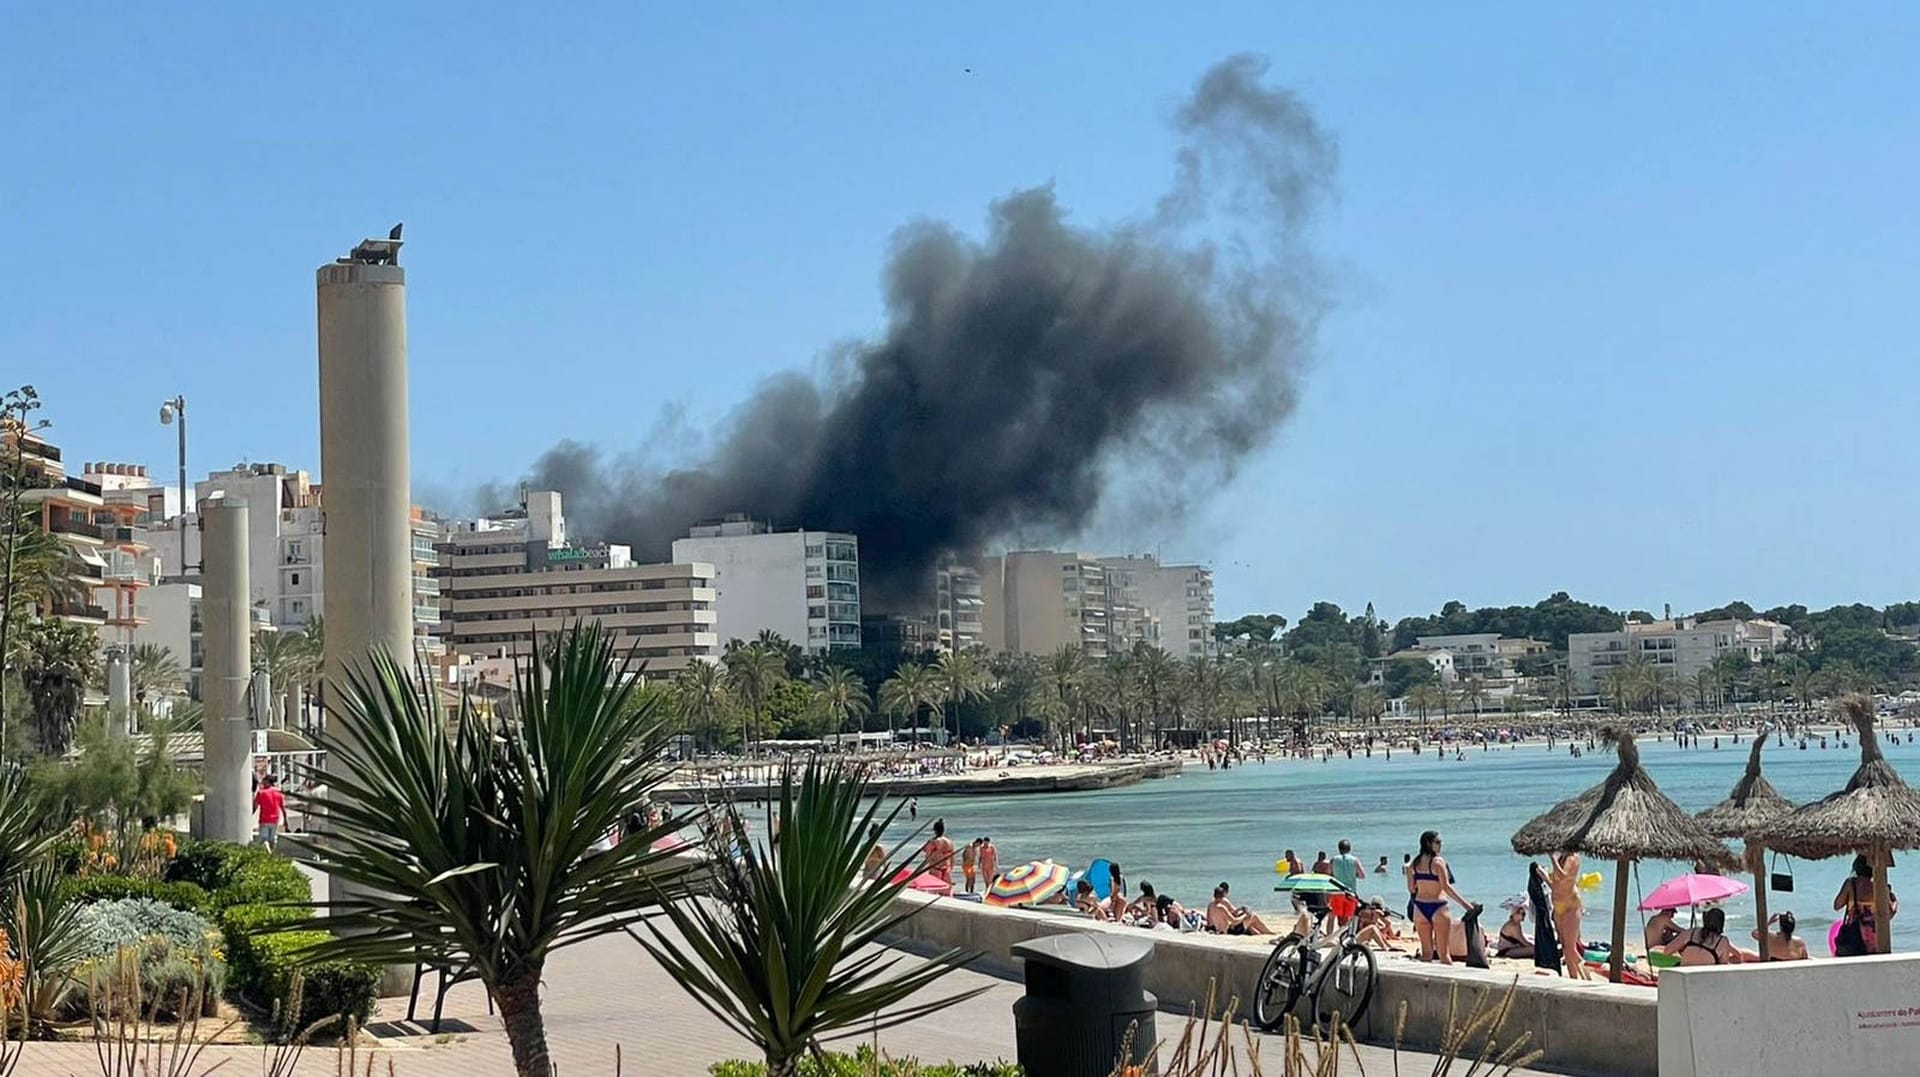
(926, 882)
(1683, 890)
(669, 843)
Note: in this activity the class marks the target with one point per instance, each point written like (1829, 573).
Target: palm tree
(1565, 686)
(700, 693)
(1303, 691)
(1426, 698)
(153, 670)
(1368, 703)
(912, 688)
(963, 678)
(1206, 680)
(1119, 674)
(754, 671)
(1158, 675)
(1473, 692)
(1065, 679)
(285, 658)
(787, 957)
(472, 838)
(1706, 687)
(843, 698)
(56, 664)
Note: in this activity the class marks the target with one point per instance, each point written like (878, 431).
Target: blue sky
(1625, 299)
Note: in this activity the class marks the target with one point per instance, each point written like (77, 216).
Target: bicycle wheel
(1279, 985)
(1344, 990)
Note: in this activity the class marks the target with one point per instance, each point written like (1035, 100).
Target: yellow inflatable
(1589, 881)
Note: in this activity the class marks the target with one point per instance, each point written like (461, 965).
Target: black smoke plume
(1023, 378)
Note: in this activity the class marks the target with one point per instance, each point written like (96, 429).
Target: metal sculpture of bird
(395, 234)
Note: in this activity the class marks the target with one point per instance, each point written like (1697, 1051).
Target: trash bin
(1084, 992)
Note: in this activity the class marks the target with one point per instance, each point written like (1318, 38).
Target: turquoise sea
(1185, 834)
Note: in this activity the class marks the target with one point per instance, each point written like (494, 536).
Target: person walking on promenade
(272, 806)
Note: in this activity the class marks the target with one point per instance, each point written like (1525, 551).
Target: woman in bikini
(1513, 941)
(1855, 902)
(1432, 883)
(1563, 881)
(1706, 944)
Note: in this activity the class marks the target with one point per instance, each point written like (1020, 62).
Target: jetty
(981, 781)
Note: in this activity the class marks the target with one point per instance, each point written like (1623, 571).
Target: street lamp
(169, 411)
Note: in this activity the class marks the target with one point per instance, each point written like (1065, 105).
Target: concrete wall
(1584, 1028)
(1859, 1017)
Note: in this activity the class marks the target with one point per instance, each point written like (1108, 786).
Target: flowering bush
(177, 954)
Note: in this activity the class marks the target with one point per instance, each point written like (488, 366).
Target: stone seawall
(989, 782)
(1584, 1028)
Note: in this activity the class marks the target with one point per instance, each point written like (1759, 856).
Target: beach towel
(1546, 944)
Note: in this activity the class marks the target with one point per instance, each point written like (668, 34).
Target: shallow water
(1185, 834)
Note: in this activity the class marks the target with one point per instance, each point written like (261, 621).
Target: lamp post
(169, 411)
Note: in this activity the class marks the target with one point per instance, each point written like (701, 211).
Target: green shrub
(87, 889)
(862, 1063)
(238, 874)
(343, 988)
(110, 926)
(264, 947)
(169, 975)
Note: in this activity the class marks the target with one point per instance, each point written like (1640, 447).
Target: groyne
(984, 781)
(1583, 1028)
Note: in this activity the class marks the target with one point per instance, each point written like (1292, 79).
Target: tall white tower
(364, 478)
(228, 632)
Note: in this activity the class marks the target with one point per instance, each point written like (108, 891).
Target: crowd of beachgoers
(1438, 924)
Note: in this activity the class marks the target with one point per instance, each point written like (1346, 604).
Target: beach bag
(1851, 941)
(1781, 882)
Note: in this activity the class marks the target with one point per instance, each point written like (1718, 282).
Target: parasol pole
(1618, 957)
(1757, 860)
(1882, 911)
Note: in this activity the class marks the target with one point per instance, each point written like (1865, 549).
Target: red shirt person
(271, 803)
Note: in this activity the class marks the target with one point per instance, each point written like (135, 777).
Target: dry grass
(1213, 1044)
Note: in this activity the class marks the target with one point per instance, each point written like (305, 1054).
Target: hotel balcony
(67, 525)
(79, 611)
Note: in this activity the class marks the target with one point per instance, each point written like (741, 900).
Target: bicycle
(1339, 983)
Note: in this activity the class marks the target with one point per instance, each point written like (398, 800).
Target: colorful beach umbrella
(1029, 884)
(1311, 883)
(1690, 889)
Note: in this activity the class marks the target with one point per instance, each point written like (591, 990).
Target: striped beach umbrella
(1029, 884)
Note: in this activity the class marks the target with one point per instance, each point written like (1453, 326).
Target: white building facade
(1680, 648)
(805, 585)
(1175, 602)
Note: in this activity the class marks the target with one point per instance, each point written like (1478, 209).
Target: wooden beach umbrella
(1623, 819)
(1874, 815)
(1750, 807)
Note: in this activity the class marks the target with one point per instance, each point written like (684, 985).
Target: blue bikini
(1429, 908)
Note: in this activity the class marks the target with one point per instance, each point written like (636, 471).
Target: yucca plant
(459, 835)
(788, 955)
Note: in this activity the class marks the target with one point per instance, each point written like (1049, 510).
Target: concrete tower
(227, 632)
(364, 478)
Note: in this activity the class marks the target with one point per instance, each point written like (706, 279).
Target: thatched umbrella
(1751, 806)
(1874, 815)
(1623, 819)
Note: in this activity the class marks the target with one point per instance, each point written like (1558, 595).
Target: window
(816, 551)
(296, 579)
(815, 590)
(817, 613)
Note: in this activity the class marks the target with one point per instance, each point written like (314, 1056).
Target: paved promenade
(610, 994)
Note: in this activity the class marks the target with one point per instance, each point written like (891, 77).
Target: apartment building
(1037, 601)
(170, 617)
(805, 585)
(286, 568)
(957, 608)
(1175, 602)
(1681, 647)
(508, 579)
(110, 565)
